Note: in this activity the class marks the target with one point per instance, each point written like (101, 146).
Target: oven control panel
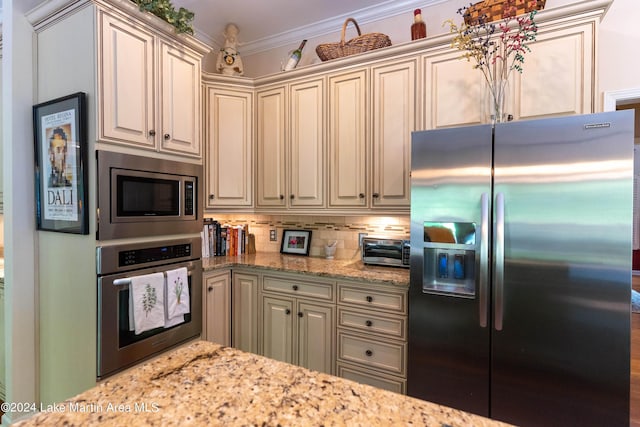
(153, 254)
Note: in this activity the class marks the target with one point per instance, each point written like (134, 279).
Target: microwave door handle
(127, 281)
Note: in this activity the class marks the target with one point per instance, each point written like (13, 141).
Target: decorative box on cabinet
(229, 141)
(217, 307)
(149, 88)
(298, 324)
(372, 335)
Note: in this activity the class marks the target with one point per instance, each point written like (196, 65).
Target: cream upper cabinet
(290, 145)
(307, 143)
(271, 143)
(180, 100)
(558, 77)
(149, 95)
(394, 118)
(229, 140)
(348, 122)
(453, 90)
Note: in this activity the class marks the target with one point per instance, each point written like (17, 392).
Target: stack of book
(223, 239)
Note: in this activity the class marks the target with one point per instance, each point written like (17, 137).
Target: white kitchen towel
(146, 302)
(177, 292)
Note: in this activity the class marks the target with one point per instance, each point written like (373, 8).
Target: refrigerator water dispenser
(449, 258)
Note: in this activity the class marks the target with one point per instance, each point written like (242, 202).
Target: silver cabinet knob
(211, 196)
(152, 132)
(361, 195)
(167, 136)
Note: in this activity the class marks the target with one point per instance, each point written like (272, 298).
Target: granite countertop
(207, 384)
(332, 268)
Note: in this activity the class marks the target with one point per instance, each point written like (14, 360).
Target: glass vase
(496, 103)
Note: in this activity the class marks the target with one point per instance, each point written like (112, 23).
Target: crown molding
(328, 26)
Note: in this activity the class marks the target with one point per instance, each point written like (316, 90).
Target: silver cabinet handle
(167, 136)
(499, 256)
(152, 132)
(483, 277)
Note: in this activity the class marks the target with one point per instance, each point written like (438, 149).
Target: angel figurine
(229, 62)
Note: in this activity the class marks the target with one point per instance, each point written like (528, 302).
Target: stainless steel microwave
(143, 196)
(386, 251)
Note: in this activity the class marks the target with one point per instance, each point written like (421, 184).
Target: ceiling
(268, 24)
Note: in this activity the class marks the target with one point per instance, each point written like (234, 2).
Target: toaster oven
(386, 251)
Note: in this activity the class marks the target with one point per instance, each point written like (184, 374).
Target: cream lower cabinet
(244, 300)
(372, 335)
(217, 307)
(150, 88)
(229, 142)
(296, 327)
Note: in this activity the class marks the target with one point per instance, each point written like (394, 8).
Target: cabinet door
(307, 144)
(277, 333)
(180, 100)
(558, 74)
(230, 149)
(315, 337)
(453, 90)
(394, 117)
(270, 147)
(127, 93)
(347, 139)
(217, 288)
(245, 312)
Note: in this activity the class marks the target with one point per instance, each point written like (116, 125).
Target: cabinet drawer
(373, 298)
(393, 326)
(387, 356)
(299, 288)
(376, 380)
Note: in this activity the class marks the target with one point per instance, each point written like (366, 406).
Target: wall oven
(118, 346)
(143, 196)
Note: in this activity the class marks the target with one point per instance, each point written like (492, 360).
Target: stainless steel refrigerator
(519, 304)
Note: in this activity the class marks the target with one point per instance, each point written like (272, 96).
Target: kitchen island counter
(331, 268)
(207, 384)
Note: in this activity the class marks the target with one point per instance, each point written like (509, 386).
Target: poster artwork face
(60, 166)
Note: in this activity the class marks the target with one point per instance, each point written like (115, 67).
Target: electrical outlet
(273, 235)
(360, 236)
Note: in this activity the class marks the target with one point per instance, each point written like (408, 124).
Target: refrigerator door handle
(499, 256)
(483, 278)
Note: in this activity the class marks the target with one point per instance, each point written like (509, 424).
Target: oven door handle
(127, 280)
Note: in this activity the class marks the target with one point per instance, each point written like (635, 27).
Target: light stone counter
(204, 384)
(338, 269)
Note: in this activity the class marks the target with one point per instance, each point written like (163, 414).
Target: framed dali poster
(60, 136)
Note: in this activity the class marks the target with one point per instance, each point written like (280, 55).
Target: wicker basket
(362, 43)
(494, 10)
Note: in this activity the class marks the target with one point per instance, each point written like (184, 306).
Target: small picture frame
(296, 242)
(60, 137)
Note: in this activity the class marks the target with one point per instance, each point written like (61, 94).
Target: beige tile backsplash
(324, 229)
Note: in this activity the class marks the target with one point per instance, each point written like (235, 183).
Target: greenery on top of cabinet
(163, 9)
